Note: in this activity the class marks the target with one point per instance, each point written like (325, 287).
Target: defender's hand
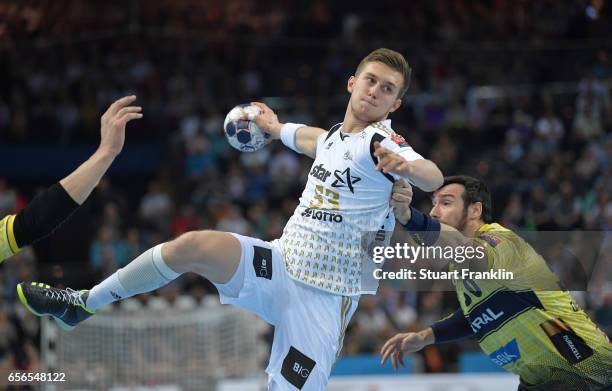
(402, 343)
(113, 121)
(389, 161)
(267, 120)
(401, 197)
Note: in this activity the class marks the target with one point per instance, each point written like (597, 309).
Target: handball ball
(244, 134)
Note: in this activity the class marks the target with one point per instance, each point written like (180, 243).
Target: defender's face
(374, 91)
(448, 206)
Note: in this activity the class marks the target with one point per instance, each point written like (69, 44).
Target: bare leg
(211, 254)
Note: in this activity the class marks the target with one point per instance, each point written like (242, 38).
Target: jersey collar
(385, 122)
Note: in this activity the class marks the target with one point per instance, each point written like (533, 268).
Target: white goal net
(159, 349)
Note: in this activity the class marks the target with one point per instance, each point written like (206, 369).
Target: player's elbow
(438, 180)
(435, 179)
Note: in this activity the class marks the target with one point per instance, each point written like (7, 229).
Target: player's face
(449, 207)
(374, 92)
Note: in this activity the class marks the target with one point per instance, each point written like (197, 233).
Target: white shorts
(309, 323)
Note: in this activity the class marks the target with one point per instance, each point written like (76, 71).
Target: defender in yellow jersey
(8, 243)
(49, 209)
(529, 325)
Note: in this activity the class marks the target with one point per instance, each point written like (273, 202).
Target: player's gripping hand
(401, 197)
(113, 121)
(267, 120)
(403, 343)
(389, 161)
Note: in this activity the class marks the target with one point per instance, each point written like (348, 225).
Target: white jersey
(344, 197)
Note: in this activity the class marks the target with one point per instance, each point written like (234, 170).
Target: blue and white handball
(244, 134)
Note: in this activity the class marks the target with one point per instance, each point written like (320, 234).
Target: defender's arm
(47, 211)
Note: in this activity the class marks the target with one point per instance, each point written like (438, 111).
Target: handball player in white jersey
(306, 283)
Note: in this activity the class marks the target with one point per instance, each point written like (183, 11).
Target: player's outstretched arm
(48, 210)
(429, 229)
(81, 182)
(454, 327)
(423, 173)
(300, 138)
(306, 139)
(405, 343)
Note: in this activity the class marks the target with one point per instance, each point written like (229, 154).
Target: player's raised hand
(403, 343)
(113, 121)
(267, 120)
(389, 161)
(401, 197)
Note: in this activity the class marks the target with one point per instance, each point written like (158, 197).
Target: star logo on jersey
(345, 179)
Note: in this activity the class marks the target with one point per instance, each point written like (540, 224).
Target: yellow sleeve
(8, 243)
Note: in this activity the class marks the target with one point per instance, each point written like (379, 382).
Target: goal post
(181, 349)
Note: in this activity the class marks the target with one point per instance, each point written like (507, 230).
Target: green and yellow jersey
(8, 243)
(528, 324)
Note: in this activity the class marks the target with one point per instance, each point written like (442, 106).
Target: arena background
(514, 92)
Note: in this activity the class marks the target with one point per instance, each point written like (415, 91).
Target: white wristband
(287, 135)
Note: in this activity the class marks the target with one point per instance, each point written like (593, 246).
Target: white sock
(144, 274)
(106, 292)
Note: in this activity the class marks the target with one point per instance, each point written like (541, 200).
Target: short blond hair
(393, 60)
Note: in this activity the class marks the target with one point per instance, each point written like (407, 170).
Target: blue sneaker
(66, 306)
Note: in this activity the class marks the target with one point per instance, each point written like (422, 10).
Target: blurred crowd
(514, 92)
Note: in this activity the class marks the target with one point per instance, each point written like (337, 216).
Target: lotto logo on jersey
(297, 367)
(322, 215)
(507, 354)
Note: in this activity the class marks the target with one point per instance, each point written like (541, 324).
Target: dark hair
(393, 60)
(475, 191)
